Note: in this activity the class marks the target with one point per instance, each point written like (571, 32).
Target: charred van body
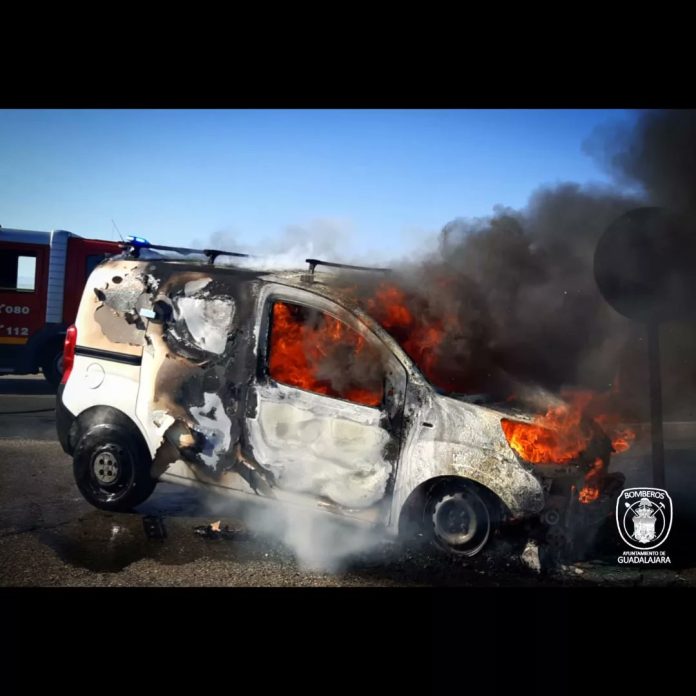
(279, 385)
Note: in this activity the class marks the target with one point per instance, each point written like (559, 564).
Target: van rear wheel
(112, 470)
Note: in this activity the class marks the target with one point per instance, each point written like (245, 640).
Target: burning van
(281, 385)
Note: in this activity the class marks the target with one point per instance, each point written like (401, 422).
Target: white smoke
(322, 237)
(319, 541)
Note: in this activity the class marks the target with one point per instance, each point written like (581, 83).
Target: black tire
(457, 518)
(52, 364)
(112, 468)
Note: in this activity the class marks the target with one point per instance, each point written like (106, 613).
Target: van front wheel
(457, 518)
(112, 470)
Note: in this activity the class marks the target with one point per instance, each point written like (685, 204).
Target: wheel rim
(461, 522)
(58, 363)
(110, 474)
(105, 468)
(455, 520)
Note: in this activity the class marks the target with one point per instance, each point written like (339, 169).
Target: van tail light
(69, 352)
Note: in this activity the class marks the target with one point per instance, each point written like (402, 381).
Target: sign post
(658, 444)
(644, 267)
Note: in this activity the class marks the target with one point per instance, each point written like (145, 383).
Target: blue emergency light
(138, 241)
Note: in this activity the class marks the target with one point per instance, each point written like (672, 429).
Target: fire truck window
(17, 271)
(314, 351)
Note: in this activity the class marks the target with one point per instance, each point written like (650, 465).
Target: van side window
(17, 271)
(315, 351)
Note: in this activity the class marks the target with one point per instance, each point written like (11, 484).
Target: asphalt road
(49, 536)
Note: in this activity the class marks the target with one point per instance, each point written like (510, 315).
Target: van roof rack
(313, 263)
(135, 244)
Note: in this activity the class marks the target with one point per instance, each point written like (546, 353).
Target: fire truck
(42, 275)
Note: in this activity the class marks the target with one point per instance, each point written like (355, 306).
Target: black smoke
(515, 293)
(657, 155)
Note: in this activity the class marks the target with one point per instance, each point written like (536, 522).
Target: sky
(382, 181)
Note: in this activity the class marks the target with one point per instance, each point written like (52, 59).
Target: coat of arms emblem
(644, 522)
(644, 517)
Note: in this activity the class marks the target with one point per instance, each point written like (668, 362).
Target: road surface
(49, 536)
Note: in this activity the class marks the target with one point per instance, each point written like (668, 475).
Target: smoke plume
(509, 300)
(513, 298)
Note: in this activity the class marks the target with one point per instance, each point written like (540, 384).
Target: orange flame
(299, 348)
(590, 491)
(557, 437)
(565, 432)
(418, 336)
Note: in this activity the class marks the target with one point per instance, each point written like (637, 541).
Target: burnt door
(326, 403)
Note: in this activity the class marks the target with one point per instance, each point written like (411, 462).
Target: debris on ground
(154, 527)
(530, 556)
(215, 531)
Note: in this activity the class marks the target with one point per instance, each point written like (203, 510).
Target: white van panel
(117, 388)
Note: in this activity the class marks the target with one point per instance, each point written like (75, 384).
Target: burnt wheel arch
(102, 415)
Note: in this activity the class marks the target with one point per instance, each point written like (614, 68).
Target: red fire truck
(42, 275)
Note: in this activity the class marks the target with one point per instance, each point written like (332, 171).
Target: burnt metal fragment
(154, 527)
